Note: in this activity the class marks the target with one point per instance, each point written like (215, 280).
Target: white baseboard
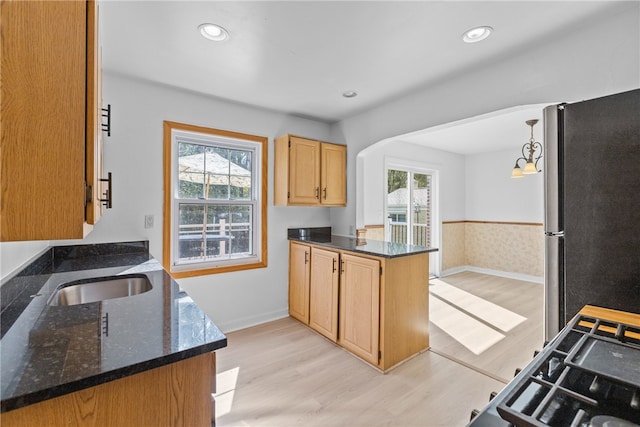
(247, 322)
(508, 274)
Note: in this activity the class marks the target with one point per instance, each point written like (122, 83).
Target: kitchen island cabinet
(144, 359)
(309, 172)
(323, 292)
(51, 136)
(299, 269)
(382, 295)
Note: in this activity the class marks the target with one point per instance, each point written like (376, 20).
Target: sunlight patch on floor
(471, 333)
(226, 383)
(488, 312)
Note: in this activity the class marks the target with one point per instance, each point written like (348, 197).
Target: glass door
(409, 208)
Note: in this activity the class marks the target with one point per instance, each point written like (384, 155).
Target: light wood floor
(283, 374)
(516, 349)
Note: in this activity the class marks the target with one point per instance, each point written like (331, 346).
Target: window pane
(215, 173)
(217, 232)
(421, 209)
(397, 201)
(241, 231)
(191, 171)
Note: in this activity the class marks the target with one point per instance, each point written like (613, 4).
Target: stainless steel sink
(99, 289)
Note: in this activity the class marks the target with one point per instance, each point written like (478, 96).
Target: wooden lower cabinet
(375, 307)
(299, 268)
(323, 292)
(178, 394)
(360, 306)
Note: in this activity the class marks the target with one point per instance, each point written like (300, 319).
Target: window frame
(171, 201)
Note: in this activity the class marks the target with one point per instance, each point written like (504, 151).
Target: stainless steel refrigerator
(592, 206)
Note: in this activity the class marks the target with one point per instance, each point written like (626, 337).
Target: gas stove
(588, 376)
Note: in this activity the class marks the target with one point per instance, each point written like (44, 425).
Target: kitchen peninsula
(370, 297)
(145, 359)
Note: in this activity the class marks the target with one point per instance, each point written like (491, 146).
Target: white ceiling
(298, 57)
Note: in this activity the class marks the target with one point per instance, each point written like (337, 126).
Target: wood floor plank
(289, 375)
(516, 349)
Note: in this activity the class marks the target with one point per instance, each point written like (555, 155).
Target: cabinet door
(93, 166)
(304, 171)
(360, 307)
(334, 175)
(43, 120)
(323, 294)
(299, 269)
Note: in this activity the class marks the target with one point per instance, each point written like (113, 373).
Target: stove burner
(589, 376)
(608, 421)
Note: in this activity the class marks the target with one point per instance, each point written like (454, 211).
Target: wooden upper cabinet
(93, 146)
(46, 85)
(323, 292)
(333, 179)
(304, 171)
(309, 172)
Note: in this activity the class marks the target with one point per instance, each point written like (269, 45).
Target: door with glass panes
(409, 208)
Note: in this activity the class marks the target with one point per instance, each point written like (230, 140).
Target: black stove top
(589, 375)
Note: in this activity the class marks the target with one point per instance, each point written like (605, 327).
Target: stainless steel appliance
(592, 206)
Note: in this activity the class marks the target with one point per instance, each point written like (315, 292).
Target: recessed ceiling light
(350, 94)
(476, 34)
(213, 32)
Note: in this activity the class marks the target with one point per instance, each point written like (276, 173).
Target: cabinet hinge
(288, 195)
(289, 144)
(379, 355)
(381, 270)
(88, 194)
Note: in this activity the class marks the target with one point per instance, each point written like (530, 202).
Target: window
(215, 216)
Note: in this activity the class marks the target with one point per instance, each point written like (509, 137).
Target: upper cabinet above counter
(309, 172)
(51, 132)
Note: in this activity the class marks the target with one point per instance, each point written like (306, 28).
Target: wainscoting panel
(500, 246)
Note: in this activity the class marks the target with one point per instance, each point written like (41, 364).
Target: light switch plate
(148, 221)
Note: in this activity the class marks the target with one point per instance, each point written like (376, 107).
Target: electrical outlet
(148, 221)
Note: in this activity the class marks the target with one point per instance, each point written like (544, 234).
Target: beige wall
(508, 247)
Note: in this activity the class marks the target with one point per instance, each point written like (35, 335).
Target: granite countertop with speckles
(48, 351)
(322, 236)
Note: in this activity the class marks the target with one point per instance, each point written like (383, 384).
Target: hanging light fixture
(530, 158)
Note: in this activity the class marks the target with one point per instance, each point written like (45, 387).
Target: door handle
(317, 192)
(334, 265)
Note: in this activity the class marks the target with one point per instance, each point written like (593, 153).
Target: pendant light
(529, 150)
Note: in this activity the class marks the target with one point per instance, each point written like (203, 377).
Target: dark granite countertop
(48, 351)
(322, 236)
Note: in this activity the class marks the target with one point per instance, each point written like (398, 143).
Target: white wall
(492, 195)
(15, 255)
(602, 59)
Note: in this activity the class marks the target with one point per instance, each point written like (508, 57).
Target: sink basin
(99, 289)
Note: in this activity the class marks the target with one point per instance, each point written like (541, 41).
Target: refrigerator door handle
(554, 307)
(554, 234)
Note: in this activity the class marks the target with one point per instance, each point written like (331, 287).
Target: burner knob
(492, 395)
(518, 370)
(635, 400)
(474, 414)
